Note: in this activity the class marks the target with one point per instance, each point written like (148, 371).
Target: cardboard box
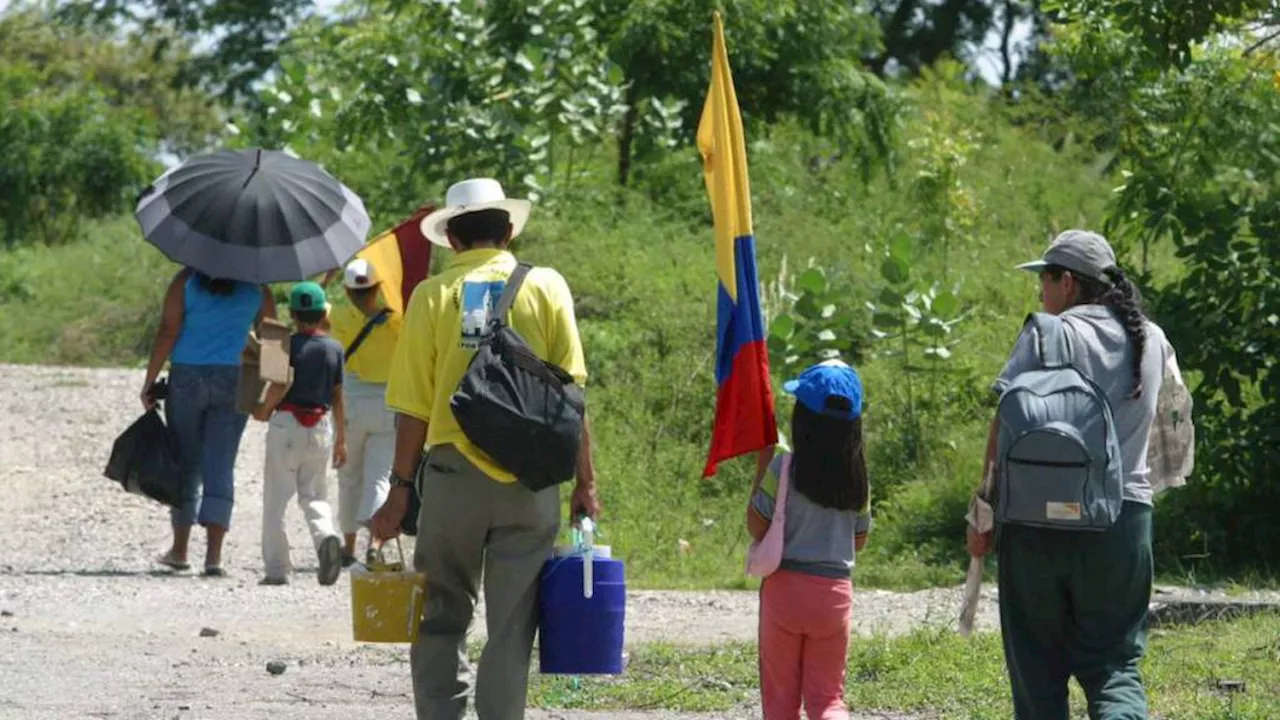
(273, 353)
(265, 360)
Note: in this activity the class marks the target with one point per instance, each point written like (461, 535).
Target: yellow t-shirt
(442, 323)
(371, 362)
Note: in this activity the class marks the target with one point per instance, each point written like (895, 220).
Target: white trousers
(298, 460)
(363, 483)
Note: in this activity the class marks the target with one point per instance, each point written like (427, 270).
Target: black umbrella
(254, 215)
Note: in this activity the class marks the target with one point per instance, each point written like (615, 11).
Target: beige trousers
(364, 481)
(471, 523)
(298, 461)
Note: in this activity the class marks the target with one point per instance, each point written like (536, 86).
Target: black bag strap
(509, 293)
(364, 331)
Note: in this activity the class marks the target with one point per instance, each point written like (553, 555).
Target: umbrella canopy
(254, 215)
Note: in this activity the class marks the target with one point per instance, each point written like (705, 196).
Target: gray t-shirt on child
(1101, 351)
(816, 540)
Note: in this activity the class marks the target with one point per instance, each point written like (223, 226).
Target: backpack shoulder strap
(364, 332)
(1052, 344)
(510, 291)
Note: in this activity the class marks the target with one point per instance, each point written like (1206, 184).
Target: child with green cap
(302, 439)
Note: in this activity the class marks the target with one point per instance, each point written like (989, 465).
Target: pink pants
(804, 645)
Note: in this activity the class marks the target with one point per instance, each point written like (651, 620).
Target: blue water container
(578, 635)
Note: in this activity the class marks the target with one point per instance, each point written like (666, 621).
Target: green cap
(308, 296)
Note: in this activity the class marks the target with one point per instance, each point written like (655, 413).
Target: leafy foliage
(81, 115)
(1166, 32)
(432, 81)
(249, 36)
(794, 58)
(811, 319)
(1196, 134)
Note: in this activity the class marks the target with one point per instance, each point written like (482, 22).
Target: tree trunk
(1010, 19)
(627, 135)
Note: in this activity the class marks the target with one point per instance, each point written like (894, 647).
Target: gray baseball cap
(1080, 251)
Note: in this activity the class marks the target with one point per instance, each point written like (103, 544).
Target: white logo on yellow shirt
(479, 299)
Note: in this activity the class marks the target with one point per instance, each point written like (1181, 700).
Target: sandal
(169, 561)
(214, 571)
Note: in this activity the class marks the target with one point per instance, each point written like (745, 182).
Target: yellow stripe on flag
(383, 253)
(724, 162)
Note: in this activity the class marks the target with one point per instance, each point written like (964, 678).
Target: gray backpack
(1057, 453)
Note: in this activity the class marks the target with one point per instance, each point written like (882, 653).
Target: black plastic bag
(145, 460)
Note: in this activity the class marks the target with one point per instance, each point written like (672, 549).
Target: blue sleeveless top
(214, 327)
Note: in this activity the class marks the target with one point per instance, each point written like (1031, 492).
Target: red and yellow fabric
(402, 258)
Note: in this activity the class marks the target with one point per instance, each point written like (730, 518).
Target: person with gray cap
(1074, 588)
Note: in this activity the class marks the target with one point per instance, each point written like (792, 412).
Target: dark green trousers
(1074, 603)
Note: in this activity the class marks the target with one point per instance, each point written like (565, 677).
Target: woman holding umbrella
(203, 328)
(236, 220)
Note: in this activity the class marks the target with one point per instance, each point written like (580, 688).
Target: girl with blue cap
(816, 497)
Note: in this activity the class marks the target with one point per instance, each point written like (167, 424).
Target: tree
(797, 58)
(249, 35)
(538, 91)
(917, 33)
(1191, 96)
(83, 117)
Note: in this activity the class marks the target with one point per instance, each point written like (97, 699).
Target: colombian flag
(744, 419)
(402, 258)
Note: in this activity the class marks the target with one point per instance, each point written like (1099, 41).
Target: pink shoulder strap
(784, 481)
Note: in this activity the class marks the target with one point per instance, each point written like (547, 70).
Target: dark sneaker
(348, 560)
(330, 553)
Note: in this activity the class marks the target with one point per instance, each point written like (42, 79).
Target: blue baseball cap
(817, 385)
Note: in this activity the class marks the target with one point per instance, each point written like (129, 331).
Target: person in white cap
(475, 517)
(369, 332)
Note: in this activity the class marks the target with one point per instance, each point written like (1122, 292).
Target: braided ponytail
(1123, 298)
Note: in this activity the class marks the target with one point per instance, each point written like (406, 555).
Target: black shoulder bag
(522, 411)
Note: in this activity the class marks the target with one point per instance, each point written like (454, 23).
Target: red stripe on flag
(415, 253)
(744, 408)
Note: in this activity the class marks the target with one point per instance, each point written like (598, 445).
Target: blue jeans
(201, 411)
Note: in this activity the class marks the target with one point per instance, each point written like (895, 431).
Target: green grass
(93, 302)
(939, 674)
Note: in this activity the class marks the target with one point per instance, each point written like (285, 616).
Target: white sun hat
(470, 196)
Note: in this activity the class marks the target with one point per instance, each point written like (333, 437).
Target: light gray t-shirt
(1103, 353)
(816, 540)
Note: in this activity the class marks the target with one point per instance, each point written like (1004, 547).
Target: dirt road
(90, 629)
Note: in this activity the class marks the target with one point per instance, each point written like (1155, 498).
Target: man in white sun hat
(369, 331)
(474, 514)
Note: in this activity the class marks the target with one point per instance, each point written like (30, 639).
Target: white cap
(360, 275)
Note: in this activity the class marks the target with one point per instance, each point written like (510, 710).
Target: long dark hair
(216, 286)
(1125, 301)
(828, 465)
